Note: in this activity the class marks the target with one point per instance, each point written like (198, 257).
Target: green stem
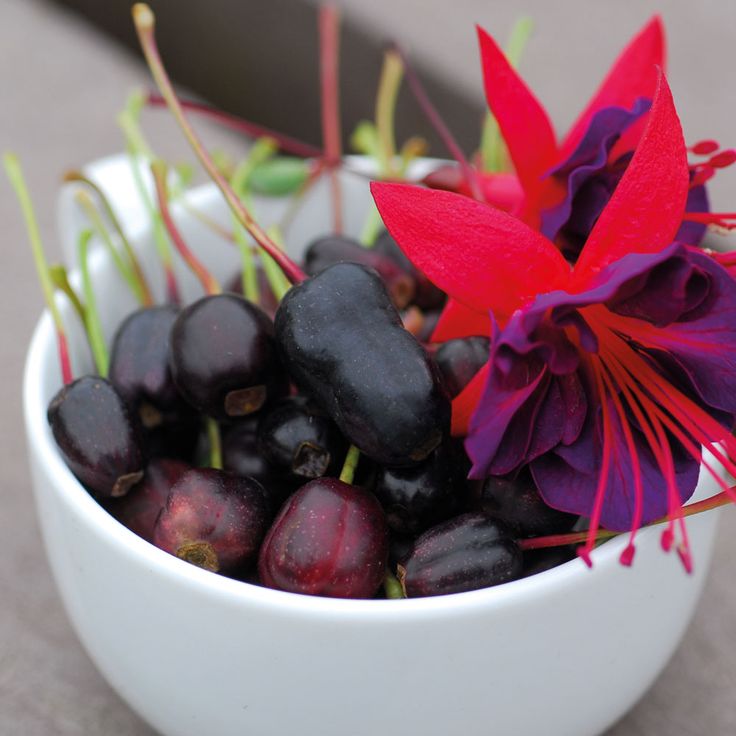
(392, 587)
(92, 321)
(371, 227)
(213, 434)
(274, 275)
(388, 91)
(17, 181)
(86, 203)
(351, 463)
(61, 283)
(135, 265)
(493, 154)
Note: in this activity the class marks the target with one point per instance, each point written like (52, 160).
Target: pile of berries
(329, 380)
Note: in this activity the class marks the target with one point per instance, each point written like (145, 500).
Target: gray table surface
(61, 86)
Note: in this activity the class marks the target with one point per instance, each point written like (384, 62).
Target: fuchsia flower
(605, 377)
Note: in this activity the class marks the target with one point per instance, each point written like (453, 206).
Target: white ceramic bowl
(563, 653)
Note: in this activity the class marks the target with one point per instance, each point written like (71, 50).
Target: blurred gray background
(63, 78)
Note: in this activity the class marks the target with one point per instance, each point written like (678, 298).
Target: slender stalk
(262, 150)
(61, 283)
(213, 435)
(86, 203)
(138, 149)
(276, 280)
(388, 92)
(492, 149)
(92, 315)
(561, 540)
(145, 22)
(286, 143)
(208, 281)
(351, 463)
(145, 289)
(17, 181)
(439, 125)
(329, 61)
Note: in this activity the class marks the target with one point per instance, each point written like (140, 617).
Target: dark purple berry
(213, 519)
(140, 507)
(333, 249)
(416, 497)
(300, 440)
(460, 360)
(343, 343)
(468, 552)
(541, 560)
(518, 504)
(329, 539)
(399, 549)
(98, 436)
(266, 298)
(223, 356)
(427, 295)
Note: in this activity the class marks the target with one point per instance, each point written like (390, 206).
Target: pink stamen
(704, 148)
(64, 360)
(726, 220)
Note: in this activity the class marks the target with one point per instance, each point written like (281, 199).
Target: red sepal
(646, 209)
(479, 255)
(463, 405)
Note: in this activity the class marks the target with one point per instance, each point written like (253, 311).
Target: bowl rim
(76, 498)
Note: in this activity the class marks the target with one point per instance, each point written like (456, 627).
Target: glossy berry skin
(139, 359)
(459, 361)
(343, 343)
(415, 498)
(427, 295)
(329, 539)
(213, 519)
(300, 441)
(518, 504)
(223, 356)
(333, 249)
(98, 436)
(140, 507)
(241, 455)
(468, 552)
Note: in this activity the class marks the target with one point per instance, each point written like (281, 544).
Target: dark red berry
(417, 497)
(468, 552)
(333, 249)
(213, 519)
(299, 440)
(518, 504)
(140, 507)
(460, 360)
(427, 295)
(223, 356)
(343, 343)
(98, 436)
(329, 539)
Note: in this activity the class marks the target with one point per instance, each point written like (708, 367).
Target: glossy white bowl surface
(563, 653)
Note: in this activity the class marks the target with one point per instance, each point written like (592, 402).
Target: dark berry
(140, 507)
(223, 356)
(541, 560)
(333, 249)
(518, 504)
(427, 295)
(98, 436)
(343, 343)
(213, 519)
(329, 539)
(417, 497)
(300, 440)
(466, 553)
(460, 360)
(266, 298)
